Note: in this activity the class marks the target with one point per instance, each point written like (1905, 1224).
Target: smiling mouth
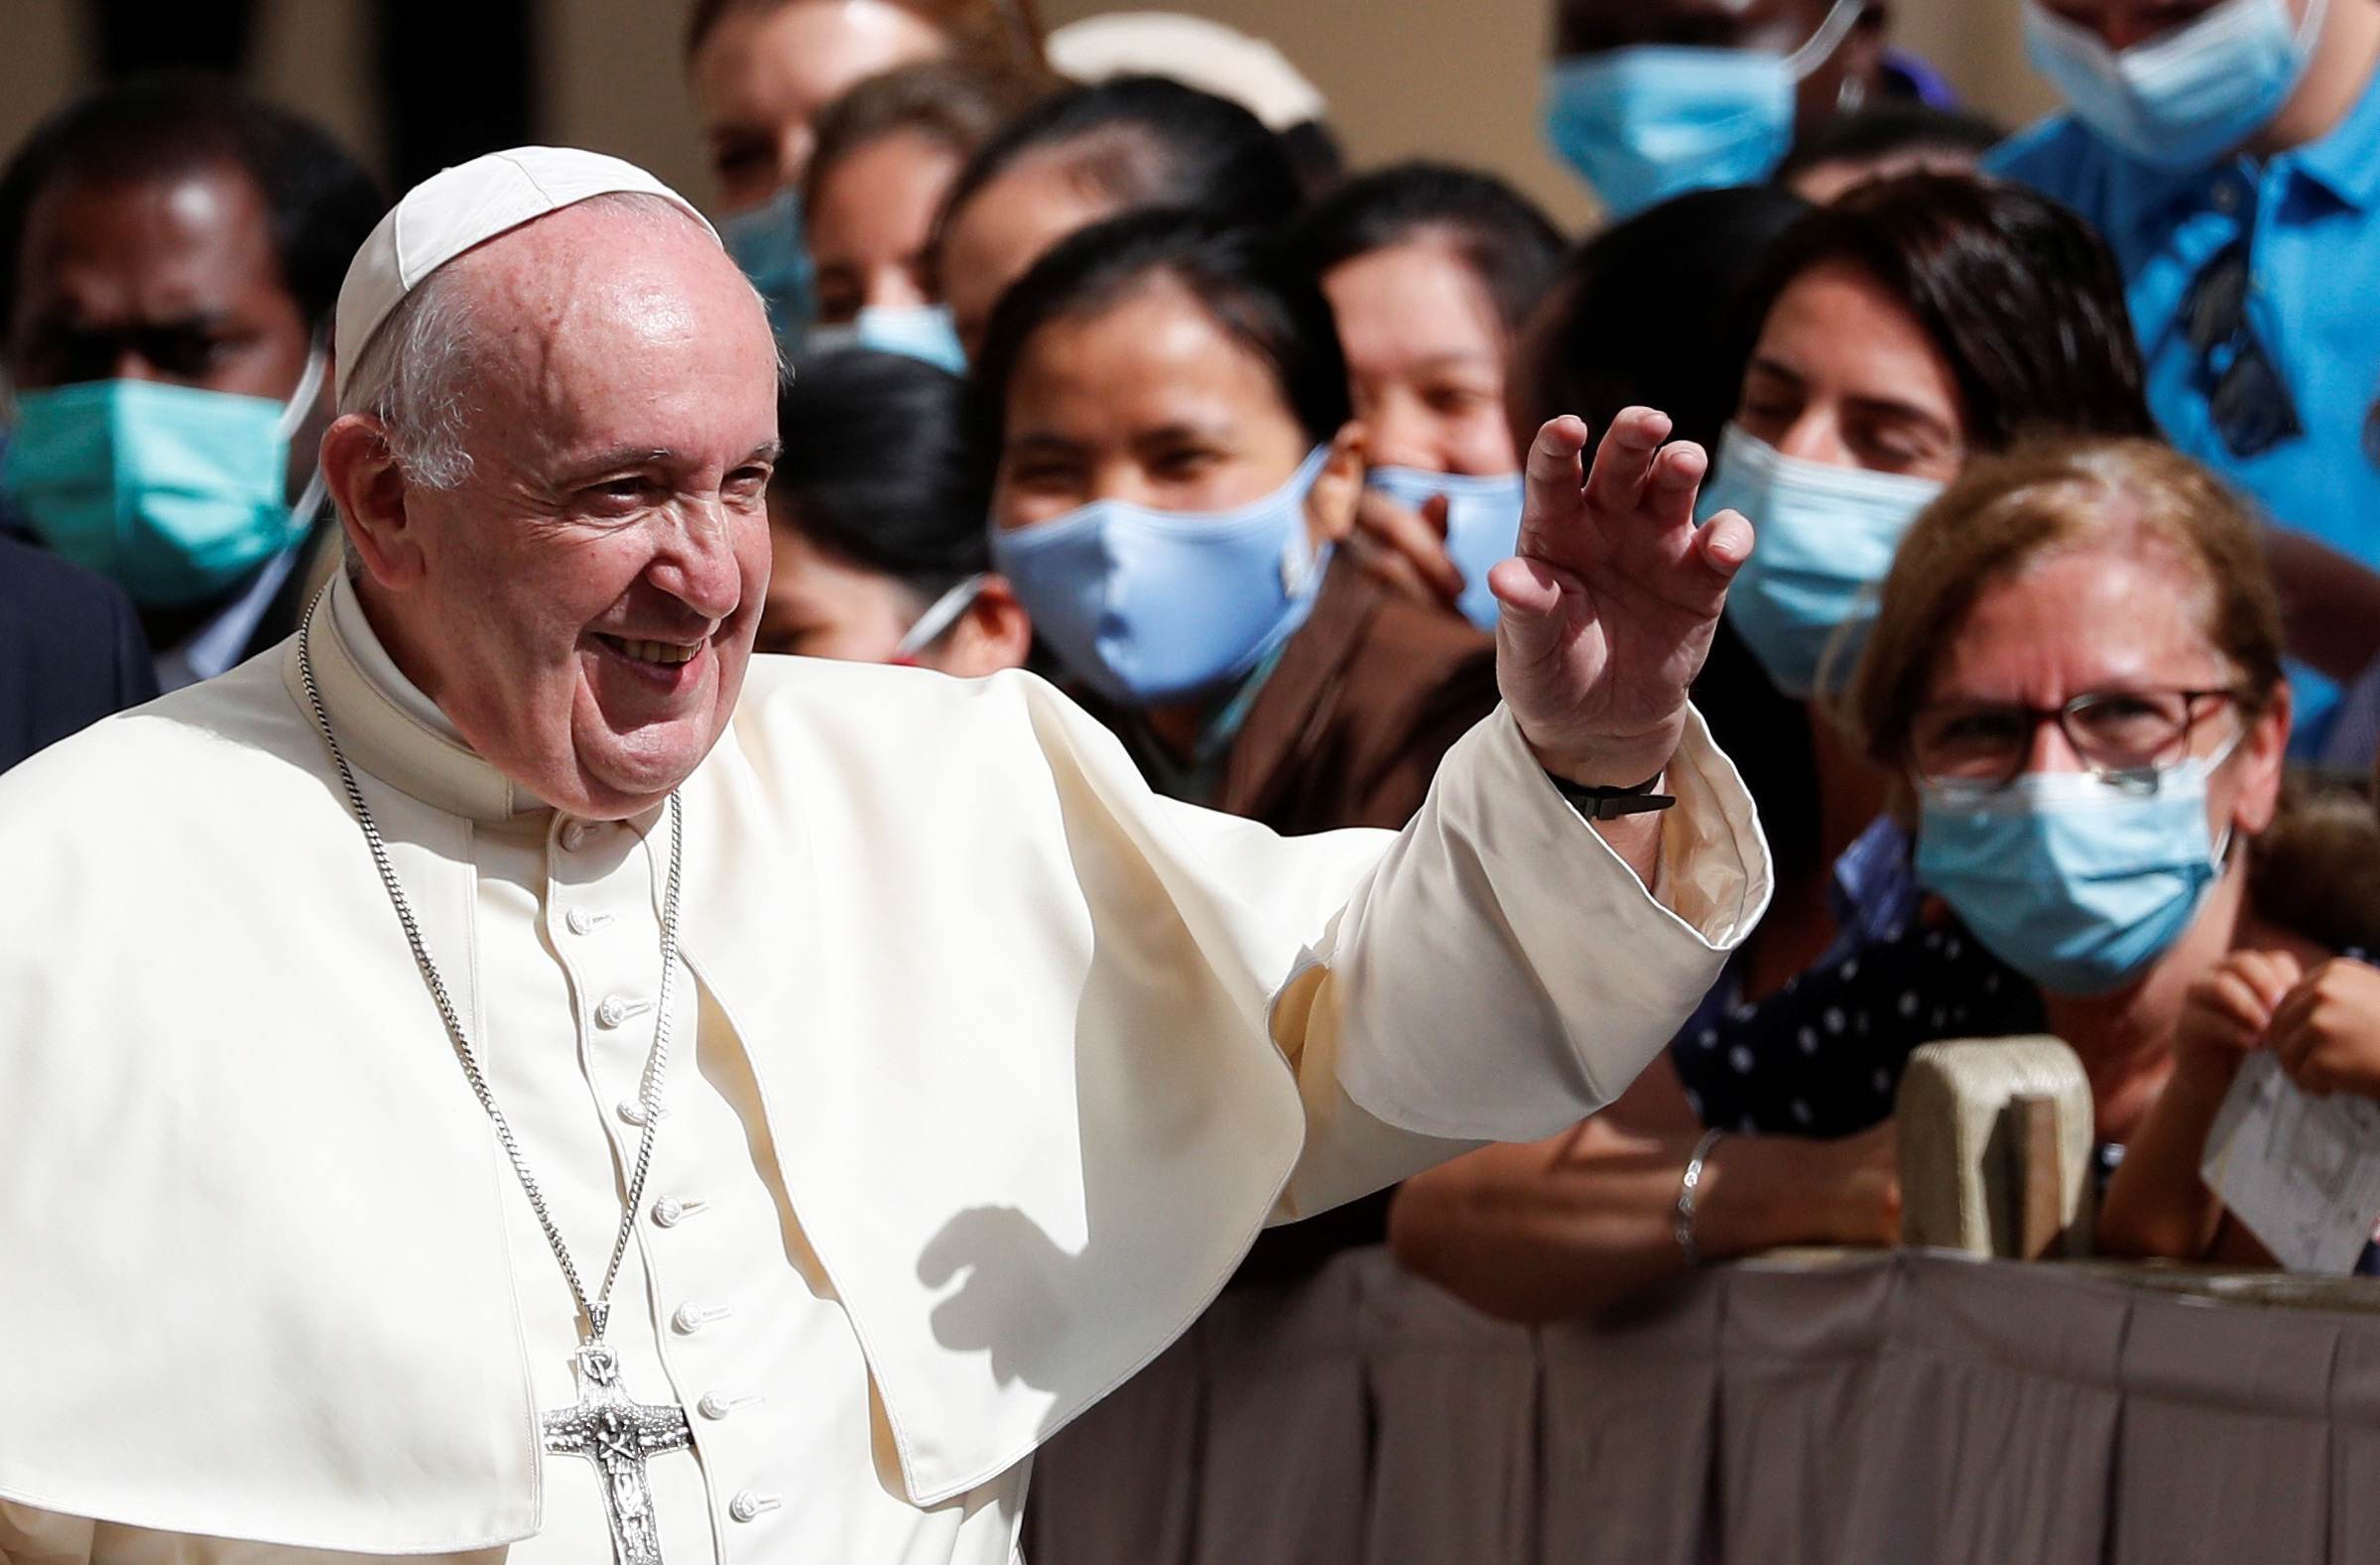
(662, 654)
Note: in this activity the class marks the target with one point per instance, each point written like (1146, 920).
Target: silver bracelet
(1688, 1189)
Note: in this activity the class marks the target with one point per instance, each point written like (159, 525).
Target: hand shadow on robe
(1015, 1273)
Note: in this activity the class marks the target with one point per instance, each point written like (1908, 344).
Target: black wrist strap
(1610, 804)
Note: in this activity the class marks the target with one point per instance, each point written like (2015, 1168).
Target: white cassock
(990, 1067)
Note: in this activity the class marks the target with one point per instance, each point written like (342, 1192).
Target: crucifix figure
(617, 1435)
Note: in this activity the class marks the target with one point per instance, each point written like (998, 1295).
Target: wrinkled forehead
(616, 321)
(2125, 611)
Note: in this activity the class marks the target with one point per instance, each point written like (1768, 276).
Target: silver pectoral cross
(617, 1434)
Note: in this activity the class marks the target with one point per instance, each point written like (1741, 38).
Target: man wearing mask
(170, 254)
(1651, 98)
(2230, 151)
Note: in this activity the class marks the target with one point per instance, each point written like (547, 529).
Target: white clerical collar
(388, 726)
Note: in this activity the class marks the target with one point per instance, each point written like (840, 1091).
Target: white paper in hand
(2302, 1172)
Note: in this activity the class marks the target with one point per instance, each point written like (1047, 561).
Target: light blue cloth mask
(2077, 882)
(770, 248)
(1150, 606)
(1650, 123)
(1823, 540)
(2185, 97)
(174, 491)
(1483, 525)
(919, 331)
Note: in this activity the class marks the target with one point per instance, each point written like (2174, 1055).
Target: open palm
(1609, 606)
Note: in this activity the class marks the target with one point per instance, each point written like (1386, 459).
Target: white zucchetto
(466, 206)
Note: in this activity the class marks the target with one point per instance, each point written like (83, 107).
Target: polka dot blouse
(1823, 1056)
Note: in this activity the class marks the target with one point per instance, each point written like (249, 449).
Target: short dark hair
(1887, 128)
(2022, 296)
(1238, 277)
(877, 467)
(1646, 311)
(954, 106)
(1510, 246)
(1146, 142)
(319, 204)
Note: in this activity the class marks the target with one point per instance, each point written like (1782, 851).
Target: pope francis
(507, 1075)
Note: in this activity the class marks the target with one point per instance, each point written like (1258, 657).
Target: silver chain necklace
(606, 1425)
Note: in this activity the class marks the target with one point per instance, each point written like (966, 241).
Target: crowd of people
(2054, 671)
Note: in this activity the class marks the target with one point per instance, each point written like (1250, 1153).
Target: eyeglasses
(1985, 744)
(2246, 397)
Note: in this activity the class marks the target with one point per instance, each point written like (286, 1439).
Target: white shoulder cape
(1040, 1052)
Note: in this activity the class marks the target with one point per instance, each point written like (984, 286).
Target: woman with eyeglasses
(1886, 341)
(2073, 681)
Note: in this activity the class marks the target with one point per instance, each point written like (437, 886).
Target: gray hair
(415, 374)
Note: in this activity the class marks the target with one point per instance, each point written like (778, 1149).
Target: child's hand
(2227, 1012)
(2327, 1031)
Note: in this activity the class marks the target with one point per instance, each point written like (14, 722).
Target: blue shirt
(2311, 220)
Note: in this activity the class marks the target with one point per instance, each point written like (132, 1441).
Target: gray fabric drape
(1805, 1411)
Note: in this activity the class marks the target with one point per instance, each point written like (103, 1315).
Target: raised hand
(1609, 607)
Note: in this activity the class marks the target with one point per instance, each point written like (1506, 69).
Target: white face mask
(2189, 96)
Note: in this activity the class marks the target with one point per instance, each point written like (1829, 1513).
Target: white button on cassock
(718, 1405)
(618, 1008)
(634, 1112)
(574, 836)
(692, 1318)
(748, 1506)
(586, 921)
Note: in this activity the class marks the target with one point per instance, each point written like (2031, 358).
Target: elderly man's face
(583, 604)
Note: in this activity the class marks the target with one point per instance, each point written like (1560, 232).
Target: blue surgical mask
(2075, 881)
(768, 246)
(920, 331)
(1650, 123)
(1823, 538)
(174, 491)
(2187, 97)
(1150, 606)
(1483, 525)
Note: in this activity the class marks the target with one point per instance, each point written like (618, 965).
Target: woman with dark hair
(1431, 272)
(1646, 313)
(762, 71)
(1917, 325)
(876, 524)
(1091, 154)
(888, 152)
(1177, 465)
